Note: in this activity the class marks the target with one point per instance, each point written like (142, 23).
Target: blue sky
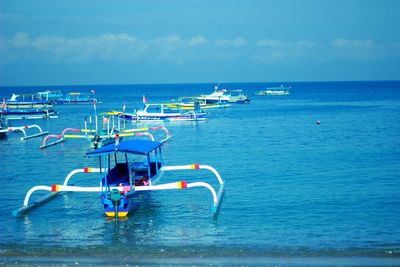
(67, 42)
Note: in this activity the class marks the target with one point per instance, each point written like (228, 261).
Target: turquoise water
(293, 188)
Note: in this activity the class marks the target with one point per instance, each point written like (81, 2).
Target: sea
(311, 179)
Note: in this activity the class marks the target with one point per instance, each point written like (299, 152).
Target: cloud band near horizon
(175, 49)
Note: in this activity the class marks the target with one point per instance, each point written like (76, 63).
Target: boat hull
(129, 202)
(15, 114)
(186, 117)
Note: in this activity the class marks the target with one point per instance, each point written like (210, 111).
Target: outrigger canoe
(122, 179)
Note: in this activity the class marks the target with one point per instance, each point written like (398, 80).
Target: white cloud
(305, 44)
(105, 47)
(346, 43)
(272, 51)
(359, 50)
(269, 43)
(237, 42)
(20, 39)
(197, 40)
(176, 49)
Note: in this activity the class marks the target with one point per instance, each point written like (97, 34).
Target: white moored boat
(280, 90)
(161, 111)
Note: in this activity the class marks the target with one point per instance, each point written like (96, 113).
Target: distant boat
(217, 97)
(26, 101)
(237, 96)
(79, 98)
(280, 90)
(190, 102)
(26, 106)
(50, 95)
(28, 114)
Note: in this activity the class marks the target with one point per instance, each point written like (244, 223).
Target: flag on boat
(144, 99)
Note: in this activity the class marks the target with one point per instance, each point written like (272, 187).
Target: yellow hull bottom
(120, 214)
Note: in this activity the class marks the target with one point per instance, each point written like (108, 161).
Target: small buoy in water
(318, 122)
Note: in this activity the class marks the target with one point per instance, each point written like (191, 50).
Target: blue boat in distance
(26, 101)
(27, 106)
(79, 98)
(50, 95)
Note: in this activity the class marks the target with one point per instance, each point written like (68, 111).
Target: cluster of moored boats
(187, 108)
(123, 179)
(41, 105)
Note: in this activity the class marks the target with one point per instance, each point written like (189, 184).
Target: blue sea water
(294, 188)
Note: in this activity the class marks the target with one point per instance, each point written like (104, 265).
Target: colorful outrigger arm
(23, 130)
(111, 129)
(123, 180)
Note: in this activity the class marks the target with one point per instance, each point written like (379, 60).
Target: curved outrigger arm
(23, 129)
(27, 207)
(217, 196)
(55, 188)
(156, 128)
(60, 137)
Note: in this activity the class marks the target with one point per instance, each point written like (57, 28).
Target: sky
(70, 42)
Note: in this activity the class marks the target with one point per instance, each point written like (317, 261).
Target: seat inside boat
(118, 175)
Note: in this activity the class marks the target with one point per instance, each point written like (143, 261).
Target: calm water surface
(293, 188)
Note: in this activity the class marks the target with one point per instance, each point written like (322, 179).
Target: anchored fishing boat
(191, 102)
(28, 114)
(280, 90)
(237, 96)
(79, 98)
(127, 170)
(162, 111)
(217, 97)
(26, 101)
(50, 95)
(16, 109)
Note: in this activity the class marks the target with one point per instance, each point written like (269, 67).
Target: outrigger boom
(110, 131)
(118, 185)
(23, 129)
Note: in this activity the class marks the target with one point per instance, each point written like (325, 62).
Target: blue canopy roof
(141, 147)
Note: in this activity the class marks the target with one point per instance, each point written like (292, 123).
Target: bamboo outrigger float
(122, 183)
